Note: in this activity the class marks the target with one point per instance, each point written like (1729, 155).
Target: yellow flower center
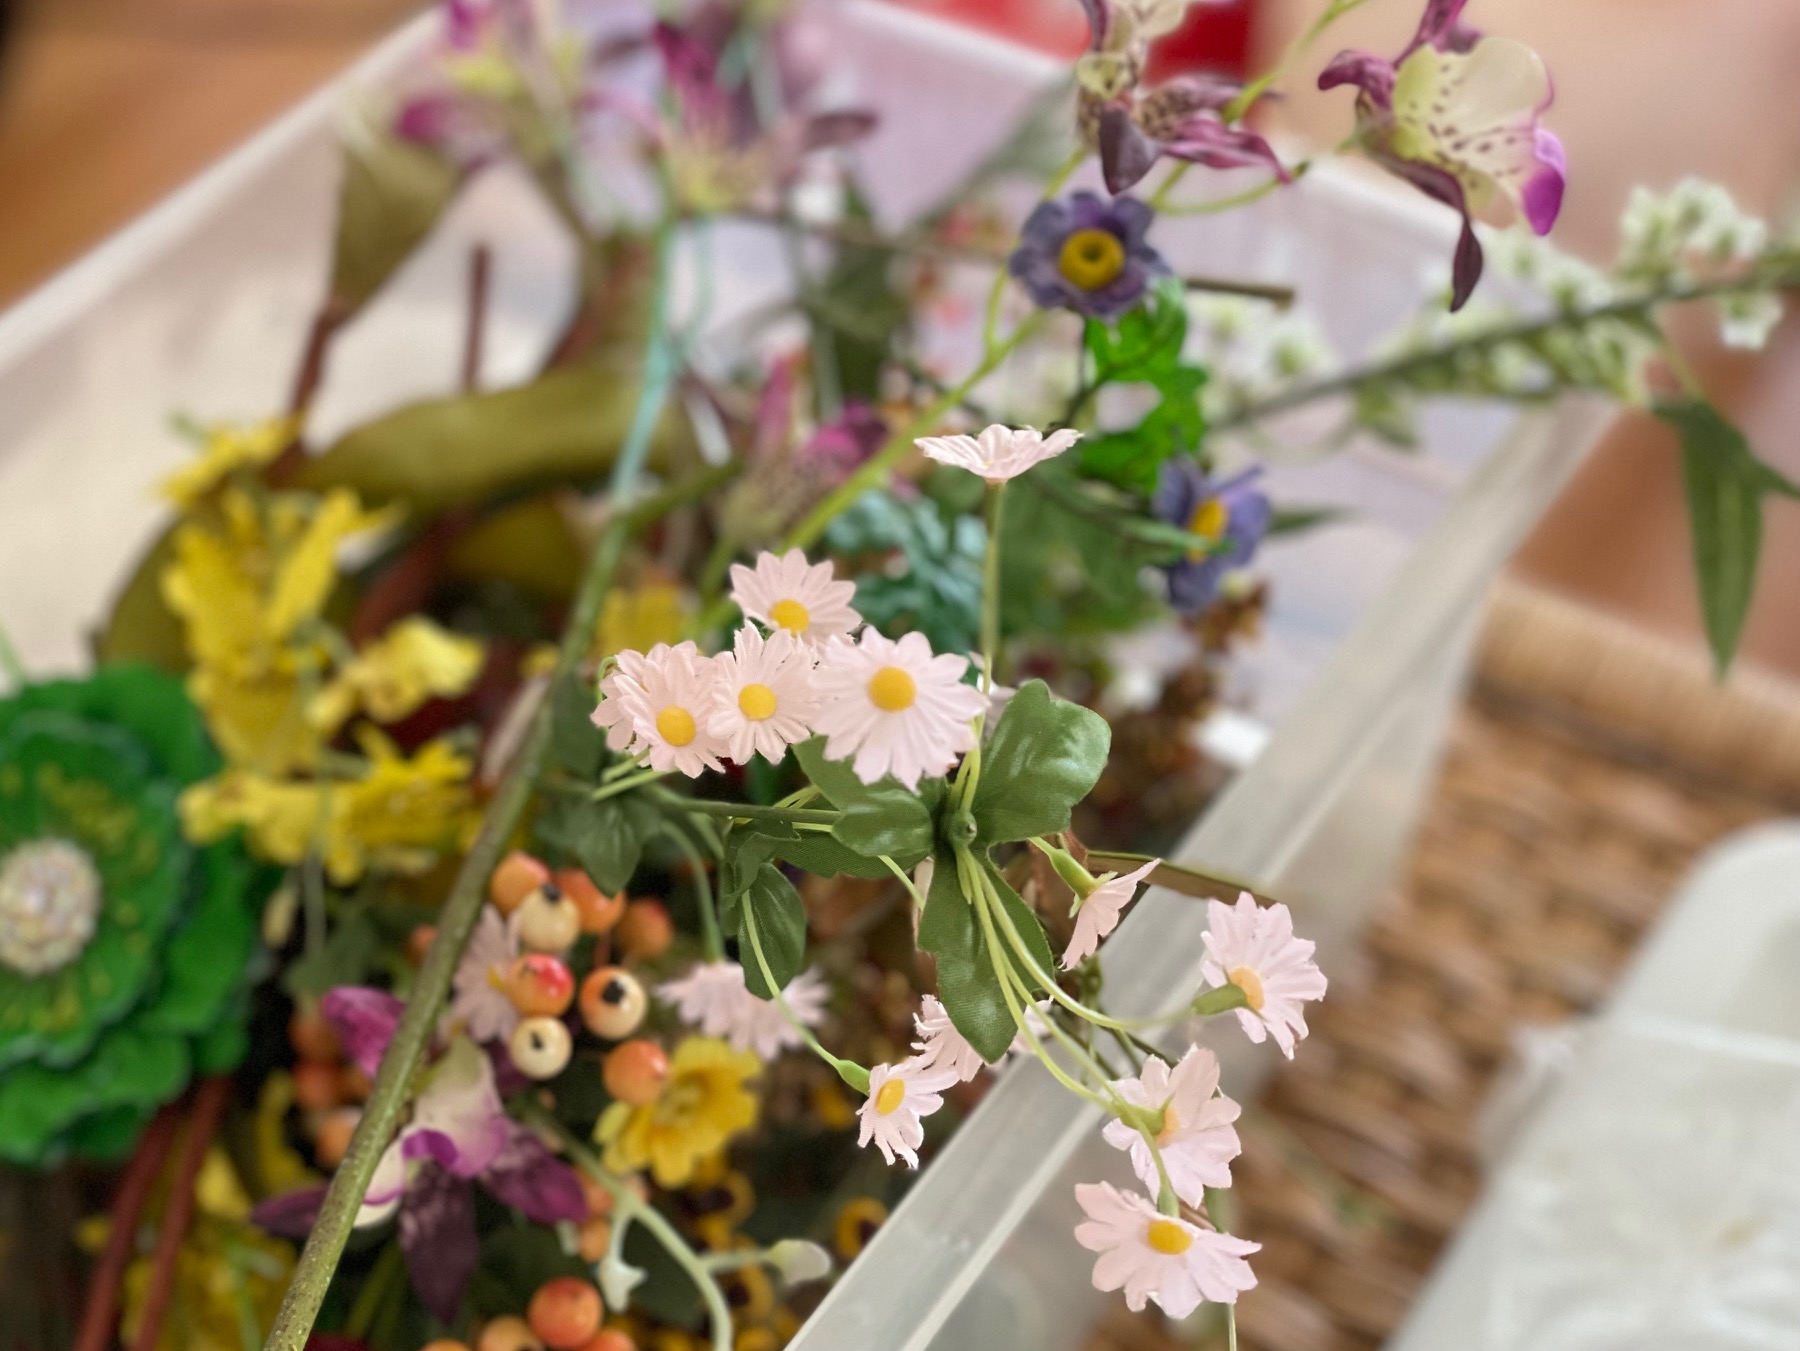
(1091, 258)
(1210, 521)
(756, 702)
(892, 690)
(791, 615)
(1168, 1238)
(1250, 983)
(675, 725)
(1171, 1124)
(892, 1094)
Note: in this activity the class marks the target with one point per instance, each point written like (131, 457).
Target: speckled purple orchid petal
(437, 1235)
(290, 1215)
(1204, 139)
(532, 1180)
(1372, 74)
(364, 1020)
(1441, 26)
(1126, 154)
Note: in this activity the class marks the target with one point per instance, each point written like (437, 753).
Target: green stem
(905, 881)
(628, 1204)
(1214, 205)
(627, 782)
(710, 937)
(750, 811)
(462, 906)
(849, 1071)
(990, 587)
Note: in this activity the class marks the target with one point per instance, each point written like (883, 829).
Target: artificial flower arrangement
(602, 861)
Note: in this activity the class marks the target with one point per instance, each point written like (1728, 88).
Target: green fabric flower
(123, 948)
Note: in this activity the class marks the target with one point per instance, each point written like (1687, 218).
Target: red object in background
(1216, 35)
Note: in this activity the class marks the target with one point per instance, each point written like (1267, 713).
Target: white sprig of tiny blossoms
(999, 453)
(1254, 948)
(714, 998)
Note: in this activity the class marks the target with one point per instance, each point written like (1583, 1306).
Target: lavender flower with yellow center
(1232, 517)
(1088, 255)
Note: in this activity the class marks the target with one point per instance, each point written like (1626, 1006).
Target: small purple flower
(458, 1132)
(1088, 255)
(1458, 116)
(1235, 515)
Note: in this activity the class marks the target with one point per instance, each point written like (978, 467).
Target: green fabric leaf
(606, 838)
(874, 819)
(392, 195)
(934, 586)
(780, 921)
(1726, 484)
(819, 854)
(1144, 347)
(440, 453)
(350, 952)
(967, 983)
(1046, 756)
(1030, 927)
(576, 744)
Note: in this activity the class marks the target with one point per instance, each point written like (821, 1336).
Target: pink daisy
(1254, 948)
(1197, 1141)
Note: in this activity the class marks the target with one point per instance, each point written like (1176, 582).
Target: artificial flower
(480, 1005)
(895, 707)
(1097, 913)
(1459, 117)
(941, 1045)
(225, 450)
(637, 618)
(388, 679)
(123, 947)
(1232, 516)
(401, 815)
(1183, 119)
(1197, 1140)
(663, 697)
(787, 592)
(1088, 255)
(1158, 1257)
(762, 695)
(703, 1105)
(999, 453)
(899, 1096)
(457, 1133)
(1253, 947)
(714, 998)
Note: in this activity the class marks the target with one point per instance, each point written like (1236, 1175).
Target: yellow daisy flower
(413, 661)
(226, 450)
(702, 1107)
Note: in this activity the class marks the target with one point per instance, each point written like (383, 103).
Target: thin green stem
(990, 586)
(849, 1071)
(627, 1203)
(905, 881)
(626, 783)
(710, 938)
(1215, 205)
(462, 906)
(750, 811)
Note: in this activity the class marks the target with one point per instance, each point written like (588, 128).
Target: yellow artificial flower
(226, 450)
(258, 722)
(702, 1106)
(399, 816)
(638, 618)
(413, 661)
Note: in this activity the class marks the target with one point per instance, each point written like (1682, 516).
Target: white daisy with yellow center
(1197, 1141)
(899, 1097)
(1000, 452)
(662, 697)
(1158, 1257)
(786, 592)
(895, 707)
(1254, 948)
(763, 701)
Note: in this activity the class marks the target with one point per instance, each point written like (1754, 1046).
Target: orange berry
(593, 1239)
(507, 1333)
(635, 1072)
(313, 1037)
(645, 932)
(599, 912)
(612, 1002)
(445, 1344)
(518, 875)
(599, 1199)
(354, 1085)
(540, 985)
(419, 942)
(565, 1312)
(610, 1339)
(316, 1085)
(332, 1139)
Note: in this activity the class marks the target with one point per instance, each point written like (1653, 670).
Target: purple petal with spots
(437, 1234)
(1369, 73)
(365, 1020)
(532, 1180)
(1442, 27)
(1204, 139)
(290, 1215)
(1099, 17)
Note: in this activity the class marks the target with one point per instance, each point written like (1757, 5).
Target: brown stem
(101, 1312)
(332, 316)
(203, 1124)
(403, 588)
(475, 332)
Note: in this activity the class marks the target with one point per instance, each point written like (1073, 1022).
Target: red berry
(645, 932)
(540, 986)
(635, 1072)
(518, 875)
(565, 1312)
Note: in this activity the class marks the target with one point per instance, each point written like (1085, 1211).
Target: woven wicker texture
(1554, 839)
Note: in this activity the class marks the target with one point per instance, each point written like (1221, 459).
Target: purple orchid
(458, 1133)
(1182, 119)
(1458, 116)
(1235, 515)
(1087, 254)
